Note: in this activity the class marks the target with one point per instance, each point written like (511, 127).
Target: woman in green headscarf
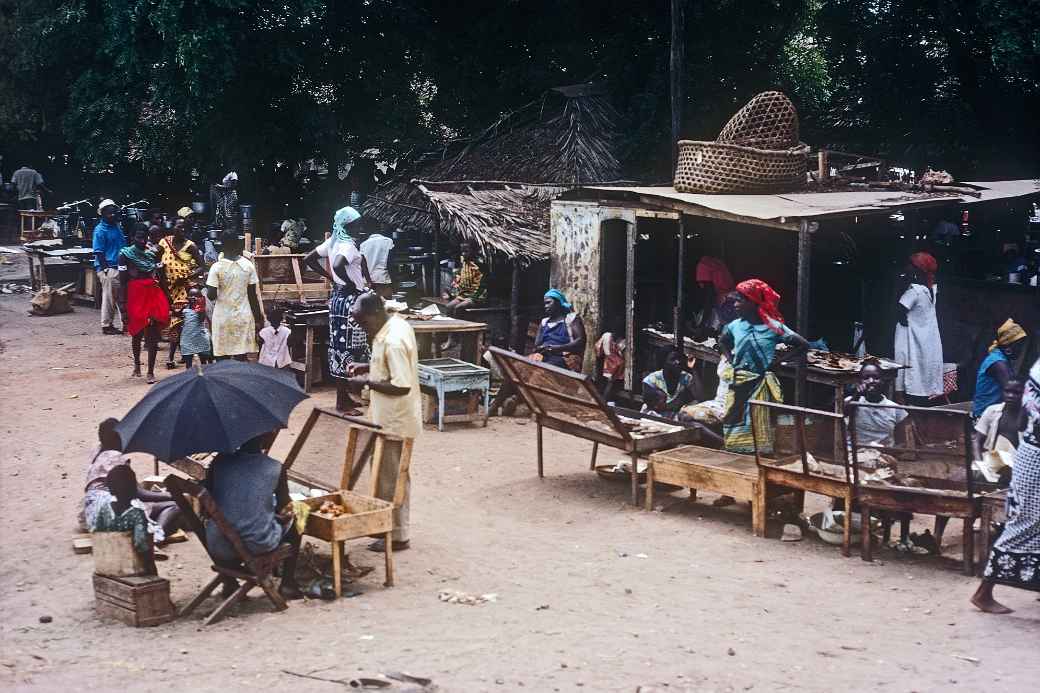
(339, 260)
(144, 295)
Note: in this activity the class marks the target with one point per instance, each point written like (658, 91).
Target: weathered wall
(574, 266)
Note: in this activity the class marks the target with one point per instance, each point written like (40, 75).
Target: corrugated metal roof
(793, 206)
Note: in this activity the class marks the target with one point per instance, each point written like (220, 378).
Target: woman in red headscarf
(917, 342)
(749, 343)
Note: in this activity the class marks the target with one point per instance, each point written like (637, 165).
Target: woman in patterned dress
(1015, 557)
(339, 260)
(232, 286)
(181, 261)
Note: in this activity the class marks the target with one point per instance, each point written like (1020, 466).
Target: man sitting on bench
(467, 286)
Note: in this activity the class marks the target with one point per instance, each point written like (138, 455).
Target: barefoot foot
(136, 373)
(989, 605)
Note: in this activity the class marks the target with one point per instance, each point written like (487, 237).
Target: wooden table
(80, 258)
(695, 467)
(452, 375)
(309, 321)
(470, 334)
(992, 508)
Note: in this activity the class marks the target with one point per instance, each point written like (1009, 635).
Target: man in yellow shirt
(395, 402)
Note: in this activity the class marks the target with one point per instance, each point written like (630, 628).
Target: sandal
(170, 365)
(151, 379)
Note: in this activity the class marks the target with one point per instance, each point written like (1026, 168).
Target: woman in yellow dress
(181, 261)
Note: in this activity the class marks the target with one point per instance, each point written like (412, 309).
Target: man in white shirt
(376, 249)
(395, 400)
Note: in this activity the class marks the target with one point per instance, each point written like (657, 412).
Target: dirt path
(592, 594)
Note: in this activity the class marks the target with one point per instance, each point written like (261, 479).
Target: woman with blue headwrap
(339, 260)
(561, 336)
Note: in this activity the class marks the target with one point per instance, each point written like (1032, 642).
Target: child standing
(194, 335)
(275, 337)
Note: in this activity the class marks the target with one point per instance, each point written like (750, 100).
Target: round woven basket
(719, 167)
(768, 121)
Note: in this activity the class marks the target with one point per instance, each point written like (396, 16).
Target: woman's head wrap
(767, 300)
(231, 177)
(1007, 334)
(560, 298)
(927, 265)
(344, 217)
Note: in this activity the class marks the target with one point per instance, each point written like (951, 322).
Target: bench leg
(219, 612)
(846, 538)
(337, 570)
(635, 479)
(760, 507)
(389, 558)
(541, 472)
(969, 546)
(201, 597)
(592, 462)
(649, 501)
(866, 549)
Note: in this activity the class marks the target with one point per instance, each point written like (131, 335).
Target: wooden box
(137, 601)
(366, 515)
(114, 555)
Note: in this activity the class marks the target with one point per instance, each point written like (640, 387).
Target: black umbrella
(212, 409)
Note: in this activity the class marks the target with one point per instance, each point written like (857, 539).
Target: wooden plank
(583, 432)
(802, 302)
(738, 483)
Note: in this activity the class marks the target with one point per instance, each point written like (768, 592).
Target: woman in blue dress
(561, 336)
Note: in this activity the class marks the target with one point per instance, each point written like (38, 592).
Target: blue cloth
(987, 388)
(243, 486)
(108, 240)
(554, 334)
(558, 295)
(754, 345)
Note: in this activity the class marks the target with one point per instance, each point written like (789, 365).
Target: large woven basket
(719, 167)
(768, 121)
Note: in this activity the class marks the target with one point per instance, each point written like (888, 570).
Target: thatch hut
(496, 187)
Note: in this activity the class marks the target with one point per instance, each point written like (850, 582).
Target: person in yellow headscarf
(182, 261)
(995, 370)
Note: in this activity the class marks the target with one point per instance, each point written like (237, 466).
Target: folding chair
(258, 568)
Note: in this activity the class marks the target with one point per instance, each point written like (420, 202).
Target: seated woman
(995, 370)
(996, 435)
(668, 390)
(561, 336)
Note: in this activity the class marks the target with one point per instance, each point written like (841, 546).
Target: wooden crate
(137, 601)
(114, 555)
(366, 516)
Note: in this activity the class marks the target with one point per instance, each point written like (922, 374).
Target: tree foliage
(168, 86)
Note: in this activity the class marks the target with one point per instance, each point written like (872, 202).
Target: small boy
(275, 337)
(123, 512)
(194, 335)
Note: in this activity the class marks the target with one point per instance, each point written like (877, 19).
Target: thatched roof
(511, 219)
(566, 138)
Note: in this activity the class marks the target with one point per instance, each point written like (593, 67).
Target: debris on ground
(457, 597)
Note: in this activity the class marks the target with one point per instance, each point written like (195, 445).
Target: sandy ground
(592, 593)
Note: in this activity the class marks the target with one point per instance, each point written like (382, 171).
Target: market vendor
(227, 212)
(467, 284)
(995, 370)
(561, 335)
(714, 281)
(875, 426)
(252, 491)
(996, 434)
(670, 388)
(917, 342)
(750, 345)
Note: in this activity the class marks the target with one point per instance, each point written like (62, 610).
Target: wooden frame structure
(362, 437)
(779, 471)
(950, 495)
(568, 402)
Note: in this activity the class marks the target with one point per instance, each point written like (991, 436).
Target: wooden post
(436, 255)
(514, 311)
(823, 166)
(802, 319)
(630, 303)
(679, 328)
(678, 73)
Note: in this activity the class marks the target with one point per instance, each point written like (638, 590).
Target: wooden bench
(718, 471)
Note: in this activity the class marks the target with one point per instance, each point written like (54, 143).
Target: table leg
(337, 570)
(487, 404)
(440, 406)
(468, 348)
(839, 408)
(635, 479)
(846, 537)
(649, 500)
(968, 547)
(540, 469)
(308, 359)
(759, 506)
(866, 551)
(388, 540)
(595, 451)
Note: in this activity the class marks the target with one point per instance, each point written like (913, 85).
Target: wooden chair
(937, 455)
(789, 465)
(258, 568)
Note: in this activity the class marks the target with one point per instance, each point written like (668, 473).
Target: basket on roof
(757, 151)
